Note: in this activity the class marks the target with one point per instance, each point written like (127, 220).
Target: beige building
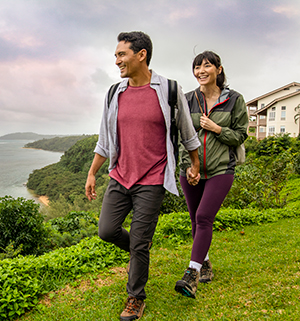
(273, 113)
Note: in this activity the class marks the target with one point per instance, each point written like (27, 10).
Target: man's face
(127, 60)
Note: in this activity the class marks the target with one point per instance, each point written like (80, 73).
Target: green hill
(25, 136)
(67, 177)
(56, 144)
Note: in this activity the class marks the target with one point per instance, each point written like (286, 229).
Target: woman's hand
(191, 177)
(208, 124)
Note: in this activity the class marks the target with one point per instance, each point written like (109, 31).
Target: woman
(221, 120)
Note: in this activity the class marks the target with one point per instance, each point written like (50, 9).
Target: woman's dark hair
(138, 41)
(214, 59)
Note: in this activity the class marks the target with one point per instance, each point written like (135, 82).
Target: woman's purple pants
(204, 201)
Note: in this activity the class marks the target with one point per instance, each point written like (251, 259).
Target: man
(135, 136)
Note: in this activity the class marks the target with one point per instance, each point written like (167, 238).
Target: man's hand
(193, 177)
(90, 187)
(192, 173)
(91, 180)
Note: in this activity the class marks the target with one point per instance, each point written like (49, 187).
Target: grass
(257, 277)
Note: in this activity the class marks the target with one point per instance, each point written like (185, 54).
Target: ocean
(16, 163)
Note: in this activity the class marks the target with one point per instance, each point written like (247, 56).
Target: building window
(271, 130)
(262, 117)
(272, 115)
(283, 112)
(262, 129)
(262, 105)
(282, 129)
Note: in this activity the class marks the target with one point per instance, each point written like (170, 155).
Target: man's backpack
(172, 101)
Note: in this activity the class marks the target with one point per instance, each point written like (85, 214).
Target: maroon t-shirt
(142, 138)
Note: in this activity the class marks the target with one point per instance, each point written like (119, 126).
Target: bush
(21, 225)
(251, 144)
(274, 145)
(72, 228)
(73, 222)
(24, 279)
(259, 182)
(172, 203)
(297, 164)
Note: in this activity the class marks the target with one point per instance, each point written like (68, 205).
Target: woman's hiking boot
(134, 309)
(187, 286)
(206, 272)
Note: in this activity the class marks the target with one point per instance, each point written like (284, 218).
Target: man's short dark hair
(138, 41)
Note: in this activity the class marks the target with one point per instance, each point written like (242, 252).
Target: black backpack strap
(111, 93)
(172, 101)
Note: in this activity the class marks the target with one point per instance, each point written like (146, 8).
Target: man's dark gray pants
(145, 200)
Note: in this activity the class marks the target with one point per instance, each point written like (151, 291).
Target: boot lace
(205, 269)
(189, 275)
(132, 305)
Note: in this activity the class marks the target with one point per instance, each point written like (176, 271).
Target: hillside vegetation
(56, 144)
(260, 265)
(258, 183)
(64, 181)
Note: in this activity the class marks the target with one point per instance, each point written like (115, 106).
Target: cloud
(57, 56)
(289, 10)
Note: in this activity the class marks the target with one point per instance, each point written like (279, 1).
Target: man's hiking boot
(128, 265)
(206, 272)
(133, 310)
(187, 286)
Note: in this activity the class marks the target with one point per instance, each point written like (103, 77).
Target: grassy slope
(257, 277)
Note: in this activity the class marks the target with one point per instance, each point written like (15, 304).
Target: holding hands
(192, 178)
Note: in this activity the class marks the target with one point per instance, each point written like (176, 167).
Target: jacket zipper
(205, 132)
(204, 142)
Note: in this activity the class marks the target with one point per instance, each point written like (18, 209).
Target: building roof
(254, 101)
(263, 110)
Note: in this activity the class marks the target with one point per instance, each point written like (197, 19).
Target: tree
(297, 116)
(21, 226)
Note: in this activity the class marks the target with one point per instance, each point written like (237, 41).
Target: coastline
(47, 150)
(16, 165)
(44, 200)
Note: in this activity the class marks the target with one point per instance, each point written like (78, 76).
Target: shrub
(73, 222)
(297, 164)
(251, 144)
(259, 182)
(274, 145)
(172, 203)
(70, 229)
(174, 227)
(21, 224)
(24, 279)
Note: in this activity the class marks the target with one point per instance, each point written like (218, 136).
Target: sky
(57, 56)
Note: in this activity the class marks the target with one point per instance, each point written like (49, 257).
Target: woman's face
(206, 74)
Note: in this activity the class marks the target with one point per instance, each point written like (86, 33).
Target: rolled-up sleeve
(189, 137)
(102, 146)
